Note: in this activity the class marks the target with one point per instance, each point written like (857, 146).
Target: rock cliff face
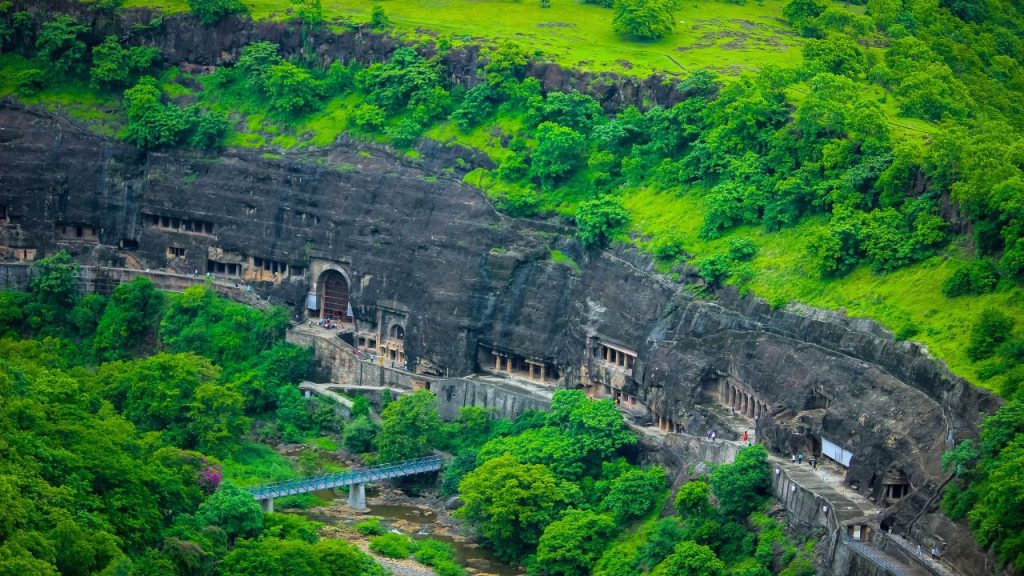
(428, 255)
(182, 40)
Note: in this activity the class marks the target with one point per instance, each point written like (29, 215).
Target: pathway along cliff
(433, 280)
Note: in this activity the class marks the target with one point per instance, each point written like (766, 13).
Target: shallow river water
(417, 518)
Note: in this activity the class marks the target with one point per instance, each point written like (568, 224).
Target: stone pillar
(497, 363)
(357, 497)
(543, 372)
(508, 364)
(742, 404)
(530, 364)
(750, 407)
(268, 505)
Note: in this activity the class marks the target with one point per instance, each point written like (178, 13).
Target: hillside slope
(849, 157)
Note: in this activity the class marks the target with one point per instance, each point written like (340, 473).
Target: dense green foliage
(730, 537)
(990, 477)
(644, 19)
(410, 427)
(101, 469)
(210, 12)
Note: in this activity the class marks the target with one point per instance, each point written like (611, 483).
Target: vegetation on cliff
(125, 423)
(876, 174)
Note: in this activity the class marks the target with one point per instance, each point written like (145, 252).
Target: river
(416, 517)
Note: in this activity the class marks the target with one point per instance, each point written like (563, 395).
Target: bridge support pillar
(357, 497)
(268, 505)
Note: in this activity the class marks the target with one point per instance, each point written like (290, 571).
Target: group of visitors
(798, 458)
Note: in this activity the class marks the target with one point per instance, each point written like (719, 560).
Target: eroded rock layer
(455, 288)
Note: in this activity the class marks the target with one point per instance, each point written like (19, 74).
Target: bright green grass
(724, 37)
(97, 110)
(559, 257)
(909, 298)
(487, 137)
(256, 464)
(324, 443)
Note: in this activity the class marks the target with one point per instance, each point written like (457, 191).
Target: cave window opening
(397, 332)
(896, 485)
(616, 357)
(516, 365)
(129, 244)
(175, 252)
(4, 218)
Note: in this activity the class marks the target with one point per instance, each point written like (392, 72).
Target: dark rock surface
(418, 240)
(183, 41)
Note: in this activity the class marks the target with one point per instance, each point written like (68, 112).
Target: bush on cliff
(211, 12)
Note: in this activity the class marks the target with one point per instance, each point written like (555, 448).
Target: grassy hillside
(730, 39)
(858, 147)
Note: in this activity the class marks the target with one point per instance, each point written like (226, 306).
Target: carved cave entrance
(334, 299)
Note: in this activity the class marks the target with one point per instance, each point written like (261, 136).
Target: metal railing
(874, 556)
(347, 478)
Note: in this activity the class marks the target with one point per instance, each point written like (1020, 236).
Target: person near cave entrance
(745, 436)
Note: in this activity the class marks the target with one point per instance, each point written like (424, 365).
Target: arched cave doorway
(334, 296)
(397, 332)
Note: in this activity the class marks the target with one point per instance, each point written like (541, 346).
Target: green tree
(130, 321)
(643, 19)
(151, 122)
(558, 152)
(509, 504)
(359, 435)
(836, 54)
(691, 559)
(597, 220)
(992, 329)
(291, 88)
(572, 544)
(410, 427)
(741, 487)
(803, 15)
(233, 510)
(311, 12)
(55, 281)
(211, 12)
(60, 46)
(379, 20)
(693, 499)
(634, 493)
(113, 65)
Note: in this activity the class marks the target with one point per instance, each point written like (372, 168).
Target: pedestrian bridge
(356, 478)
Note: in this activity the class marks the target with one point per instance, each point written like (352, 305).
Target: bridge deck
(347, 478)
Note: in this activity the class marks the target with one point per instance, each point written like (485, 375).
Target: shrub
(644, 19)
(370, 527)
(597, 219)
(210, 12)
(977, 277)
(476, 106)
(393, 545)
(715, 269)
(60, 46)
(742, 249)
(992, 329)
(379, 20)
(558, 151)
(359, 435)
(369, 117)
